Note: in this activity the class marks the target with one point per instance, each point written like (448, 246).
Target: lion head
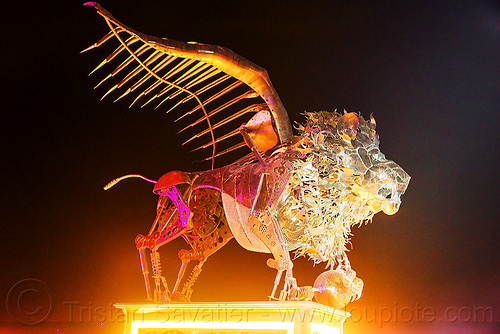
(339, 178)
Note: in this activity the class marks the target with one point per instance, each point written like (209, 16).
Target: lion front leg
(268, 230)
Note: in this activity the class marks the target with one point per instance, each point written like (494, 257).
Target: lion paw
(302, 293)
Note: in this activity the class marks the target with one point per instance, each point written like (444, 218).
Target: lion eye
(385, 192)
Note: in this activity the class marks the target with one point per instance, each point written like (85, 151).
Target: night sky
(429, 71)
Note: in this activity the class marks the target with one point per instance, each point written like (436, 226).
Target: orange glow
(258, 325)
(253, 317)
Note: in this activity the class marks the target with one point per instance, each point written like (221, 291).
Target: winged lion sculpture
(292, 193)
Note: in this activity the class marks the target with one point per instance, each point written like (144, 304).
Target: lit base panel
(233, 318)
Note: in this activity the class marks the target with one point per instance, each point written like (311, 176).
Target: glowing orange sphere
(331, 289)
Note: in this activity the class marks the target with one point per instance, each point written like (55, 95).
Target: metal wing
(213, 79)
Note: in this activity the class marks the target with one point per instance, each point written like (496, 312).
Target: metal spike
(143, 79)
(212, 98)
(205, 76)
(108, 36)
(131, 75)
(89, 48)
(119, 49)
(157, 68)
(137, 85)
(152, 98)
(102, 40)
(162, 93)
(158, 83)
(109, 91)
(194, 71)
(215, 111)
(98, 66)
(148, 61)
(123, 95)
(129, 42)
(143, 48)
(106, 78)
(213, 83)
(109, 58)
(124, 64)
(219, 139)
(179, 67)
(187, 98)
(163, 63)
(252, 108)
(223, 91)
(138, 69)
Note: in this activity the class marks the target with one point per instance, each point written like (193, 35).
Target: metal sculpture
(292, 193)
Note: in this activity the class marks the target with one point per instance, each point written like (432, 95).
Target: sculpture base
(233, 318)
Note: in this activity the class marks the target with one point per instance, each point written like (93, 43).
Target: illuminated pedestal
(233, 318)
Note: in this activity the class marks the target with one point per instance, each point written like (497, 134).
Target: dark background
(429, 71)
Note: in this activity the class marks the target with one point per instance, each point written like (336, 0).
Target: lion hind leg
(187, 290)
(210, 232)
(185, 257)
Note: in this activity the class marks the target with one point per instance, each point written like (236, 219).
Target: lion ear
(373, 133)
(372, 122)
(347, 126)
